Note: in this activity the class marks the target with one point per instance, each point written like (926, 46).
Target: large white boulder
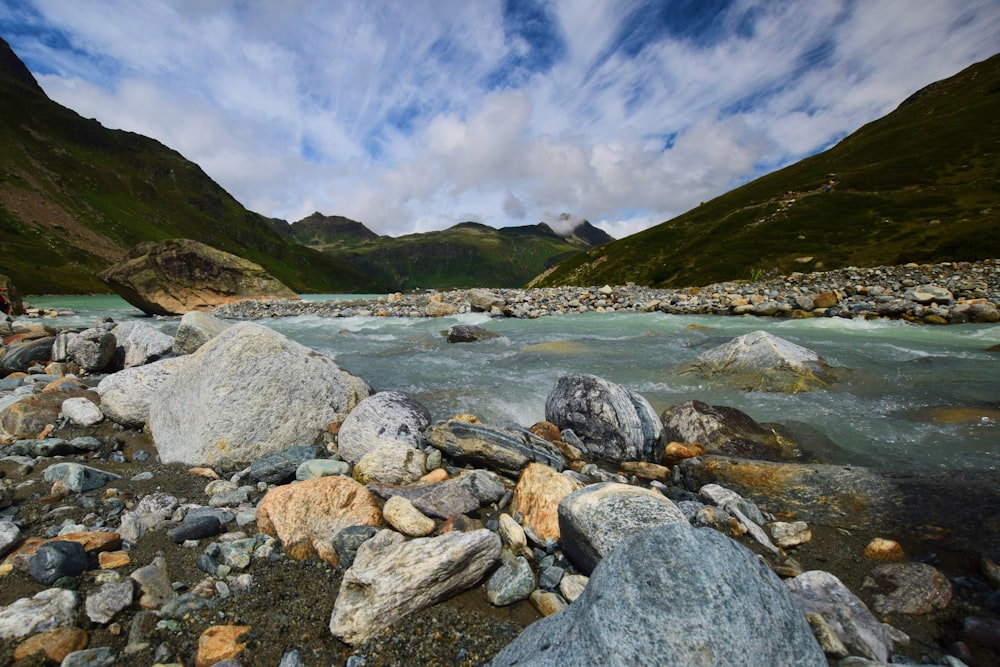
(247, 393)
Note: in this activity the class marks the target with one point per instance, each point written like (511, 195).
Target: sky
(414, 115)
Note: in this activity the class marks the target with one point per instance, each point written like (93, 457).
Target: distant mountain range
(921, 184)
(465, 255)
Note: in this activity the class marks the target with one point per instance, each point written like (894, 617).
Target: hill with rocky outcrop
(921, 184)
(75, 196)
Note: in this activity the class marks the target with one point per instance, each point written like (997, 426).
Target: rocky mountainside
(74, 196)
(921, 184)
(465, 255)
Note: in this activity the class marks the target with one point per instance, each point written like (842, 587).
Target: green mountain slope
(468, 254)
(921, 184)
(74, 196)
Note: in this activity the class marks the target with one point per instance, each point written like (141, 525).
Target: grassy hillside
(920, 184)
(75, 195)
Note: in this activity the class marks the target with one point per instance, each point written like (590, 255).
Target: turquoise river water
(911, 396)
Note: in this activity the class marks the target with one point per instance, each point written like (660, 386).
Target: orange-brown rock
(826, 300)
(546, 431)
(92, 542)
(30, 415)
(644, 470)
(54, 644)
(537, 497)
(109, 560)
(218, 643)
(309, 513)
(882, 549)
(62, 384)
(675, 452)
(435, 476)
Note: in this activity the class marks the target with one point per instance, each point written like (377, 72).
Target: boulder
(953, 508)
(504, 450)
(391, 578)
(175, 276)
(468, 333)
(307, 515)
(537, 496)
(280, 467)
(195, 329)
(597, 518)
(10, 299)
(46, 610)
(481, 300)
(29, 416)
(928, 294)
(908, 588)
(762, 361)
(81, 411)
(248, 393)
(126, 395)
(441, 499)
(391, 463)
(139, 344)
(93, 349)
(613, 422)
(385, 418)
(673, 595)
(407, 519)
(78, 478)
(725, 431)
(512, 582)
(19, 356)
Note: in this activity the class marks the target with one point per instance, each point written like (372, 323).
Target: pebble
(57, 559)
(512, 582)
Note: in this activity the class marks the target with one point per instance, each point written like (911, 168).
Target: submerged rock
(613, 422)
(673, 595)
(762, 361)
(726, 431)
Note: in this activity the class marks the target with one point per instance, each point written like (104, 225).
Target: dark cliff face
(13, 71)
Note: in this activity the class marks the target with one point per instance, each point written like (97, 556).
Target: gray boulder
(93, 349)
(78, 478)
(248, 393)
(385, 418)
(597, 518)
(140, 344)
(725, 431)
(762, 361)
(126, 395)
(19, 357)
(468, 333)
(673, 595)
(195, 329)
(613, 422)
(504, 450)
(280, 467)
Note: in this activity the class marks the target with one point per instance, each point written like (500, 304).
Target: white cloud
(384, 112)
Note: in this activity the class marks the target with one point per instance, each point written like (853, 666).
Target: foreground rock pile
(954, 292)
(229, 496)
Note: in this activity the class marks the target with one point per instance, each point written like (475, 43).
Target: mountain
(466, 255)
(75, 196)
(921, 184)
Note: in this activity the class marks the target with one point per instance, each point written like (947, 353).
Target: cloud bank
(414, 116)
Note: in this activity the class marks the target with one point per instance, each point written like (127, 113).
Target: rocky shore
(949, 293)
(228, 496)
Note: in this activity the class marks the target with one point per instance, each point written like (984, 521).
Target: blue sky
(412, 116)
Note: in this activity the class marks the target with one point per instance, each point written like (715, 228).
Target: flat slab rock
(506, 451)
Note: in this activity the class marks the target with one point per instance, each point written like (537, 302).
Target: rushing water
(911, 396)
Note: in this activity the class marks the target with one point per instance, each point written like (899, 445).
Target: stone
(321, 468)
(823, 594)
(246, 394)
(9, 536)
(306, 515)
(390, 579)
(725, 431)
(29, 416)
(512, 533)
(571, 586)
(468, 333)
(505, 450)
(10, 299)
(407, 519)
(512, 582)
(943, 507)
(93, 349)
(102, 656)
(195, 528)
(546, 603)
(151, 512)
(82, 411)
(218, 643)
(550, 576)
(110, 560)
(789, 533)
(391, 463)
(825, 300)
(597, 518)
(78, 478)
(126, 395)
(195, 329)
(537, 496)
(928, 294)
(481, 300)
(980, 630)
(675, 452)
(443, 499)
(484, 485)
(139, 344)
(385, 418)
(347, 542)
(154, 582)
(908, 588)
(646, 470)
(18, 357)
(105, 601)
(54, 560)
(763, 362)
(439, 309)
(55, 644)
(725, 608)
(175, 276)
(280, 467)
(885, 550)
(614, 423)
(44, 611)
(984, 311)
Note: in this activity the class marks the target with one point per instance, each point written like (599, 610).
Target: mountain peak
(12, 70)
